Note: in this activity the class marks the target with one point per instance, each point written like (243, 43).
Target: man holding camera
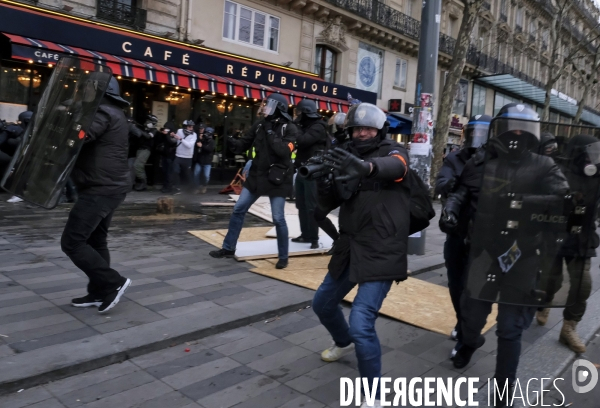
(273, 139)
(367, 180)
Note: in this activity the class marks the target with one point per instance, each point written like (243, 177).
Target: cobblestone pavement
(269, 363)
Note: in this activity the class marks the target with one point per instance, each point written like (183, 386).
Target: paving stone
(18, 293)
(297, 368)
(151, 300)
(170, 400)
(440, 352)
(143, 261)
(193, 308)
(36, 323)
(222, 293)
(161, 268)
(303, 401)
(229, 336)
(146, 293)
(218, 382)
(279, 359)
(170, 304)
(33, 344)
(239, 392)
(81, 381)
(329, 391)
(193, 375)
(148, 286)
(105, 389)
(240, 297)
(245, 343)
(273, 398)
(75, 284)
(294, 327)
(317, 377)
(202, 356)
(31, 281)
(25, 398)
(264, 350)
(25, 307)
(422, 343)
(133, 397)
(193, 282)
(306, 335)
(49, 403)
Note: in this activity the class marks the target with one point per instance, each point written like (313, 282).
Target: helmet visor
(476, 135)
(268, 107)
(593, 152)
(501, 126)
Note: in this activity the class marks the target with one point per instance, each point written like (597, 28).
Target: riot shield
(535, 219)
(43, 162)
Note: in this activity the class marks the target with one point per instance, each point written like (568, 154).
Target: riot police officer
(371, 251)
(312, 138)
(455, 250)
(273, 139)
(510, 169)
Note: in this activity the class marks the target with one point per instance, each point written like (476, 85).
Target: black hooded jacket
(312, 138)
(204, 155)
(273, 147)
(101, 168)
(374, 220)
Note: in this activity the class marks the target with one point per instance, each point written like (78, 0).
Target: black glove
(349, 166)
(448, 222)
(324, 185)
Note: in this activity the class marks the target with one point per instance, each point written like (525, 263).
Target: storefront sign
(37, 24)
(408, 108)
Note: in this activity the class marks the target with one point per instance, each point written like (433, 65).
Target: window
(500, 100)
(409, 8)
(503, 7)
(401, 71)
(249, 26)
(519, 17)
(325, 63)
(532, 28)
(478, 102)
(451, 26)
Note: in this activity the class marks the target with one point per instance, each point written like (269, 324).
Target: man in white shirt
(182, 165)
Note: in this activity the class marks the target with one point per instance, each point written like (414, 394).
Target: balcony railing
(447, 44)
(382, 14)
(120, 13)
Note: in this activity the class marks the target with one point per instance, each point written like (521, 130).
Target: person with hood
(311, 140)
(580, 164)
(455, 250)
(101, 175)
(273, 139)
(371, 252)
(10, 138)
(203, 155)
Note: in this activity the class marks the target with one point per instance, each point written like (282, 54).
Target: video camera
(316, 167)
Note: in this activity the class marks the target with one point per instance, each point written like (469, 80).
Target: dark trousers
(306, 203)
(167, 169)
(580, 285)
(325, 224)
(183, 169)
(456, 256)
(84, 241)
(512, 320)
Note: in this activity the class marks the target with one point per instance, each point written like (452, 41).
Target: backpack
(421, 206)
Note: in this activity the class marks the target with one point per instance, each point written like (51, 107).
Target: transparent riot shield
(43, 162)
(535, 222)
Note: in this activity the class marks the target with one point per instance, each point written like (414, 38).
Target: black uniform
(311, 140)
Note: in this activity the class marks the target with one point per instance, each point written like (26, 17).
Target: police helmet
(113, 92)
(188, 122)
(548, 145)
(273, 104)
(517, 127)
(307, 108)
(25, 117)
(476, 131)
(366, 115)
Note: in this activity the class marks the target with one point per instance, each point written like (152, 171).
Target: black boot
(140, 185)
(281, 264)
(314, 244)
(464, 354)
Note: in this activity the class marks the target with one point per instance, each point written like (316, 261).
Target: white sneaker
(453, 352)
(14, 199)
(377, 405)
(334, 352)
(454, 334)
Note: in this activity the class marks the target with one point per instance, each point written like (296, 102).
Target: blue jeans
(361, 330)
(512, 321)
(247, 168)
(237, 221)
(204, 171)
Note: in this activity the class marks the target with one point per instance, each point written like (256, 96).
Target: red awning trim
(165, 74)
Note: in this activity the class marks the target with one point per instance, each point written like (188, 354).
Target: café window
(478, 100)
(14, 84)
(250, 27)
(325, 63)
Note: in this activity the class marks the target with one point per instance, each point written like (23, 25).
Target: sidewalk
(179, 293)
(240, 354)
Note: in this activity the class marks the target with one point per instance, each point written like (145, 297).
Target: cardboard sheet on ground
(414, 301)
(260, 248)
(262, 209)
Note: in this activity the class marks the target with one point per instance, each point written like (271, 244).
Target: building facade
(360, 48)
